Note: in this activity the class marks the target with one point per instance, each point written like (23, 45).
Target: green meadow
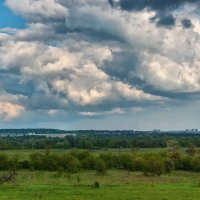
(115, 185)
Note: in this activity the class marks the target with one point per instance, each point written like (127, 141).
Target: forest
(98, 141)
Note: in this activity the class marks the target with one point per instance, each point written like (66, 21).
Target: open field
(116, 185)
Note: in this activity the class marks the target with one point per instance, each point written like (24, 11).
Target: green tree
(4, 162)
(127, 161)
(191, 150)
(173, 146)
(100, 166)
(70, 163)
(196, 163)
(154, 165)
(168, 165)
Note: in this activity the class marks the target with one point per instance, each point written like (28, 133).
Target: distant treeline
(27, 131)
(92, 132)
(74, 161)
(98, 141)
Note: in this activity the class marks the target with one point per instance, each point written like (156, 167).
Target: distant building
(193, 130)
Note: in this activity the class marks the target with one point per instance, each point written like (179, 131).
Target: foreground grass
(115, 185)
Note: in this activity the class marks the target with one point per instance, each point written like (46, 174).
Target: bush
(80, 155)
(138, 164)
(108, 159)
(47, 161)
(37, 160)
(73, 165)
(14, 163)
(100, 166)
(50, 162)
(4, 162)
(168, 165)
(195, 163)
(88, 163)
(154, 165)
(191, 150)
(127, 162)
(186, 162)
(96, 184)
(25, 164)
(70, 163)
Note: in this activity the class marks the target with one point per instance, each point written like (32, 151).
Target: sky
(100, 64)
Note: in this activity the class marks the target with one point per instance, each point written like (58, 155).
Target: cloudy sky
(100, 64)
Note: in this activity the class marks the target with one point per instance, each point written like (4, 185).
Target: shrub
(47, 161)
(168, 165)
(4, 162)
(100, 166)
(73, 165)
(191, 150)
(70, 163)
(50, 162)
(154, 165)
(186, 162)
(37, 160)
(88, 163)
(96, 184)
(108, 159)
(80, 155)
(25, 164)
(195, 163)
(14, 163)
(127, 162)
(138, 163)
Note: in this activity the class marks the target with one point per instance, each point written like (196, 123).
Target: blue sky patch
(9, 19)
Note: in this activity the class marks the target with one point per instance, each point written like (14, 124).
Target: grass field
(116, 185)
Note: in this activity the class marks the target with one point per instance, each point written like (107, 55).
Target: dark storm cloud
(167, 20)
(158, 5)
(186, 23)
(162, 7)
(94, 35)
(12, 77)
(178, 96)
(115, 68)
(111, 2)
(47, 102)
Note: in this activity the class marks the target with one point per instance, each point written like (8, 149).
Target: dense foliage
(75, 160)
(97, 141)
